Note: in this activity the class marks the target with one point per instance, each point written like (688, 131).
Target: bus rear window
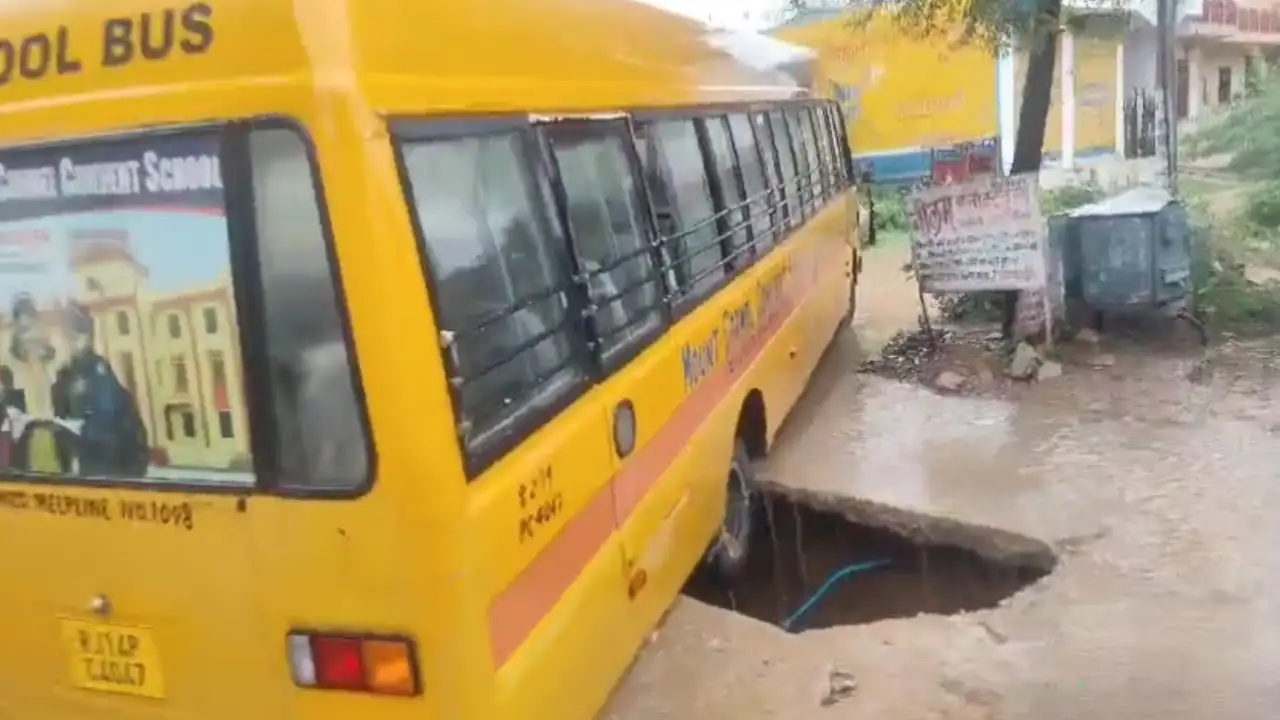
(120, 337)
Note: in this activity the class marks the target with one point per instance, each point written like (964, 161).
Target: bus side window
(499, 284)
(753, 178)
(610, 233)
(674, 163)
(792, 183)
(831, 123)
(802, 137)
(773, 171)
(823, 142)
(843, 148)
(661, 195)
(322, 440)
(732, 195)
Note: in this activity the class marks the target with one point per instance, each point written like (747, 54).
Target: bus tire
(846, 321)
(732, 547)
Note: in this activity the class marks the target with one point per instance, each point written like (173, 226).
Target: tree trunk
(1037, 94)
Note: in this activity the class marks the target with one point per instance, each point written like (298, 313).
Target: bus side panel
(834, 258)
(782, 369)
(675, 516)
(567, 667)
(549, 570)
(819, 257)
(670, 493)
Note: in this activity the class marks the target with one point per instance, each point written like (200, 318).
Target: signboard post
(985, 234)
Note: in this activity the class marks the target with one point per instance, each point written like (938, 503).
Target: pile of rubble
(908, 353)
(952, 361)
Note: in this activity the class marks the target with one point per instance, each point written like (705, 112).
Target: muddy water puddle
(812, 569)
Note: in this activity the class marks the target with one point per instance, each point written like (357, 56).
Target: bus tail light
(378, 665)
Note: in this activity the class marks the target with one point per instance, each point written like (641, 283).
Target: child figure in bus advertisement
(36, 436)
(10, 417)
(88, 397)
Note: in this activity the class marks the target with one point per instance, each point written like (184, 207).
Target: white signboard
(986, 234)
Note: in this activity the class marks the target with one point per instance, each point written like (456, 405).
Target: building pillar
(1258, 62)
(1008, 105)
(1067, 88)
(1195, 82)
(1119, 99)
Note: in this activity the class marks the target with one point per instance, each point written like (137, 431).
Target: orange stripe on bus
(516, 612)
(518, 609)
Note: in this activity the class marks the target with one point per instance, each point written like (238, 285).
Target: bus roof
(396, 56)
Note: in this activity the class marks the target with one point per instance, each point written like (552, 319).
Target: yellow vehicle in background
(376, 359)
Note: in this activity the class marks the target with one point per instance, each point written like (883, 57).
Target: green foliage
(1249, 133)
(891, 210)
(1070, 197)
(1252, 82)
(1222, 251)
(1234, 247)
(1225, 296)
(1263, 206)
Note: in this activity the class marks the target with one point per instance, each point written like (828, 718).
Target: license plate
(113, 658)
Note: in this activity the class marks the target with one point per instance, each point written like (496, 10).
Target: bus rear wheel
(729, 554)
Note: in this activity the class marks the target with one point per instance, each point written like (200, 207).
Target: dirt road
(1153, 481)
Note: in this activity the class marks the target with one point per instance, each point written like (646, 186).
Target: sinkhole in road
(810, 569)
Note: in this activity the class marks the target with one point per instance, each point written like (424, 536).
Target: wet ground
(1154, 483)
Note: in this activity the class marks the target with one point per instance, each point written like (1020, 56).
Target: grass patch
(1224, 256)
(891, 239)
(1229, 301)
(1194, 188)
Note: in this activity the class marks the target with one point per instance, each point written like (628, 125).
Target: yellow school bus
(386, 359)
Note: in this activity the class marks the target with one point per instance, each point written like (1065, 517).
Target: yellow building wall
(1053, 123)
(1095, 95)
(910, 92)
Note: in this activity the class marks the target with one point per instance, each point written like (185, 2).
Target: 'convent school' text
(151, 173)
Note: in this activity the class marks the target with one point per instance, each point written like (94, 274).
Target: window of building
(501, 281)
(122, 323)
(175, 326)
(753, 179)
(188, 423)
(210, 320)
(128, 373)
(681, 193)
(225, 425)
(1224, 84)
(732, 194)
(773, 170)
(217, 369)
(180, 382)
(610, 231)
